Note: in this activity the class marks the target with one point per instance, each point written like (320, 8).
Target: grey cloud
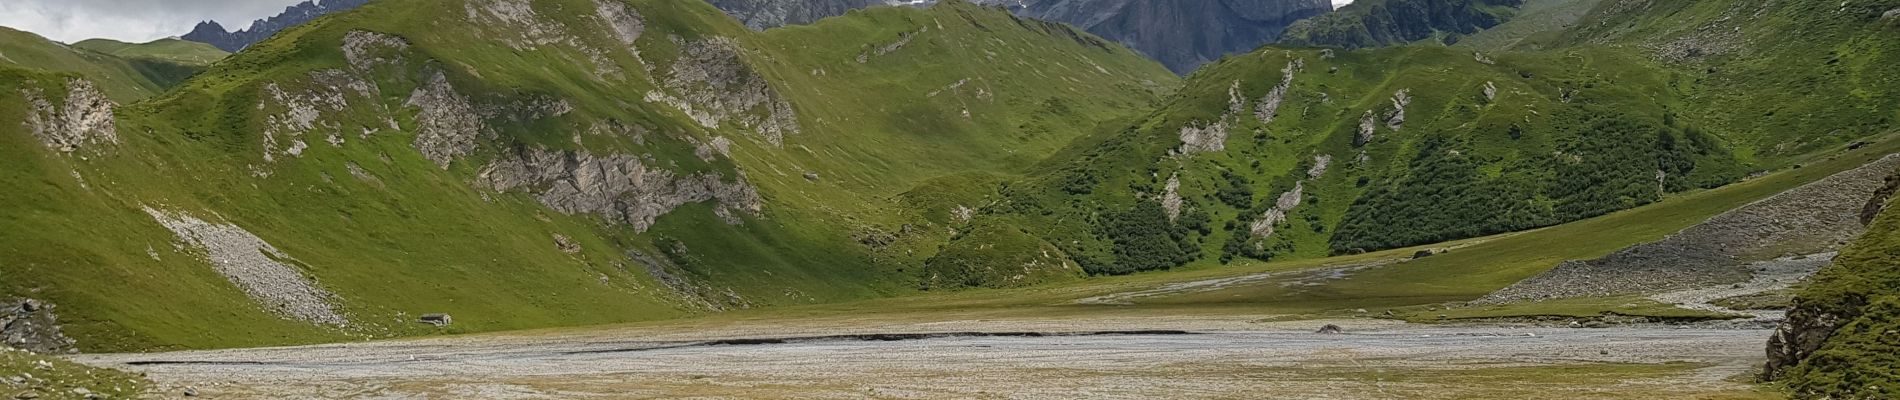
(129, 20)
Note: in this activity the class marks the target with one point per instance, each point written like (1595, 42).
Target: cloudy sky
(142, 20)
(130, 20)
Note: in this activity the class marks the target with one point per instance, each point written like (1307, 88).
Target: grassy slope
(1586, 119)
(1509, 151)
(173, 50)
(1775, 78)
(421, 239)
(123, 79)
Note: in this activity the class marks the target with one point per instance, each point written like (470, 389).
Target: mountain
(212, 33)
(1182, 34)
(763, 14)
(522, 164)
(1372, 23)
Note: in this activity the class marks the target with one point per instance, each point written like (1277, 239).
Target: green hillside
(521, 164)
(173, 50)
(124, 79)
(1299, 153)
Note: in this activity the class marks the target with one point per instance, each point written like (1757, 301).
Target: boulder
(437, 319)
(1331, 329)
(1423, 254)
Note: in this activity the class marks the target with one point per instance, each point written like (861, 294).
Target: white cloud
(1341, 3)
(129, 20)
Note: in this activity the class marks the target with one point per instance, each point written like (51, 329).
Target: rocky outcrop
(1810, 219)
(713, 85)
(210, 32)
(82, 119)
(1201, 137)
(1263, 227)
(1171, 200)
(626, 23)
(31, 325)
(1269, 107)
(448, 125)
(1490, 91)
(1368, 129)
(311, 109)
(1395, 118)
(1320, 164)
(623, 189)
(257, 268)
(365, 50)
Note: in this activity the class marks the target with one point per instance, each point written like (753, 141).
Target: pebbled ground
(1220, 357)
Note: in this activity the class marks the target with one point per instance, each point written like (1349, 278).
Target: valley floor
(1111, 355)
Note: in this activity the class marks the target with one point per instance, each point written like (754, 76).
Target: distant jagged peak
(215, 34)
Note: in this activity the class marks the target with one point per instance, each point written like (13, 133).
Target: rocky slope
(1839, 336)
(520, 164)
(1812, 219)
(210, 32)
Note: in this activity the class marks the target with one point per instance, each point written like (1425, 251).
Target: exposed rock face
(256, 267)
(711, 83)
(1197, 138)
(366, 50)
(1395, 119)
(620, 188)
(1320, 164)
(1490, 91)
(1263, 227)
(1269, 107)
(1171, 198)
(210, 32)
(1808, 219)
(448, 124)
(83, 119)
(1368, 128)
(627, 24)
(302, 112)
(30, 325)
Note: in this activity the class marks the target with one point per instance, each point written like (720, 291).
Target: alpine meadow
(1021, 199)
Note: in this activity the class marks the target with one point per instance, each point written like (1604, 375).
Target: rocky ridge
(210, 32)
